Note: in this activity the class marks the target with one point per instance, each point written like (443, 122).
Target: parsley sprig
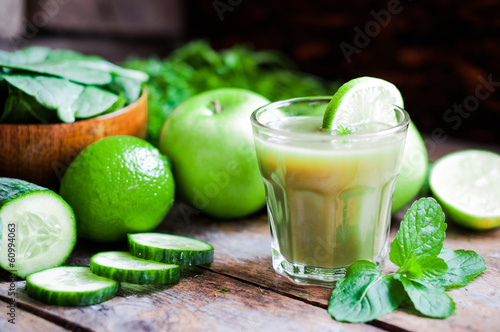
(426, 271)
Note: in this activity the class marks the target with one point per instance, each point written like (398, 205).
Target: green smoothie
(329, 201)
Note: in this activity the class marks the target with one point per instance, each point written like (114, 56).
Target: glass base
(311, 275)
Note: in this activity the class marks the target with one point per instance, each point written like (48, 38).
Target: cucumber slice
(37, 227)
(122, 266)
(173, 249)
(70, 286)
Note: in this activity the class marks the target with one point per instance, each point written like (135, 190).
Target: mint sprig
(347, 130)
(364, 294)
(421, 232)
(426, 270)
(463, 266)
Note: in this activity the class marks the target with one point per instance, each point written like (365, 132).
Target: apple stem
(217, 107)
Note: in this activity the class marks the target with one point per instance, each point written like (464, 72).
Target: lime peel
(467, 185)
(363, 100)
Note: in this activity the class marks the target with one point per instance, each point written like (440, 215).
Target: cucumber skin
(154, 277)
(64, 299)
(11, 188)
(170, 256)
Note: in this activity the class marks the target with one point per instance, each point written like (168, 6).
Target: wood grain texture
(257, 298)
(40, 153)
(26, 321)
(477, 303)
(194, 304)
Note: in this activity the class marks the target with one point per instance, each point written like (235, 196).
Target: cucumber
(172, 249)
(37, 227)
(70, 286)
(122, 266)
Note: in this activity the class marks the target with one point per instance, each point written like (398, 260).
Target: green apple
(413, 171)
(208, 139)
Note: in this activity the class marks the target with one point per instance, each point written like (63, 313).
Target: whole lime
(413, 171)
(118, 185)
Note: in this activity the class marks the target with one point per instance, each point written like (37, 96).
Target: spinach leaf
(130, 88)
(106, 66)
(364, 294)
(21, 113)
(63, 80)
(69, 99)
(463, 266)
(78, 68)
(73, 70)
(51, 92)
(119, 104)
(421, 232)
(23, 108)
(28, 55)
(93, 101)
(62, 54)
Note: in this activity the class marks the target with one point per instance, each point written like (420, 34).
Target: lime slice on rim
(467, 185)
(363, 100)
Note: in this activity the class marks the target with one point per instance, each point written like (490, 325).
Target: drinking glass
(329, 196)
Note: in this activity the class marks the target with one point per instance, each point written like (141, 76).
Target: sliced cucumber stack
(37, 228)
(70, 286)
(172, 249)
(122, 266)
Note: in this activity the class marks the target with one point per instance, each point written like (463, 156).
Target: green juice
(329, 201)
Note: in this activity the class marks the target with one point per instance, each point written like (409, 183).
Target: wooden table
(256, 298)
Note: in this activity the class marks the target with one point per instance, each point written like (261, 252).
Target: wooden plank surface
(257, 298)
(194, 304)
(26, 321)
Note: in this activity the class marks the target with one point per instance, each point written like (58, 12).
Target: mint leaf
(347, 130)
(421, 232)
(463, 266)
(423, 267)
(428, 300)
(364, 294)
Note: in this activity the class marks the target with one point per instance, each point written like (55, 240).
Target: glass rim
(314, 136)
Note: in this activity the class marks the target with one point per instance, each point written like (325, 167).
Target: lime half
(363, 100)
(467, 184)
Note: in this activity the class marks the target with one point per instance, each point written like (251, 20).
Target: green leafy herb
(44, 85)
(27, 109)
(223, 291)
(69, 99)
(428, 300)
(346, 130)
(130, 88)
(73, 70)
(463, 266)
(93, 101)
(50, 92)
(422, 267)
(28, 55)
(426, 269)
(422, 232)
(197, 67)
(364, 294)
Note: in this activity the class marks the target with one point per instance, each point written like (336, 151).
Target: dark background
(439, 53)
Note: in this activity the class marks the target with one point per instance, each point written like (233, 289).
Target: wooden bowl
(40, 153)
